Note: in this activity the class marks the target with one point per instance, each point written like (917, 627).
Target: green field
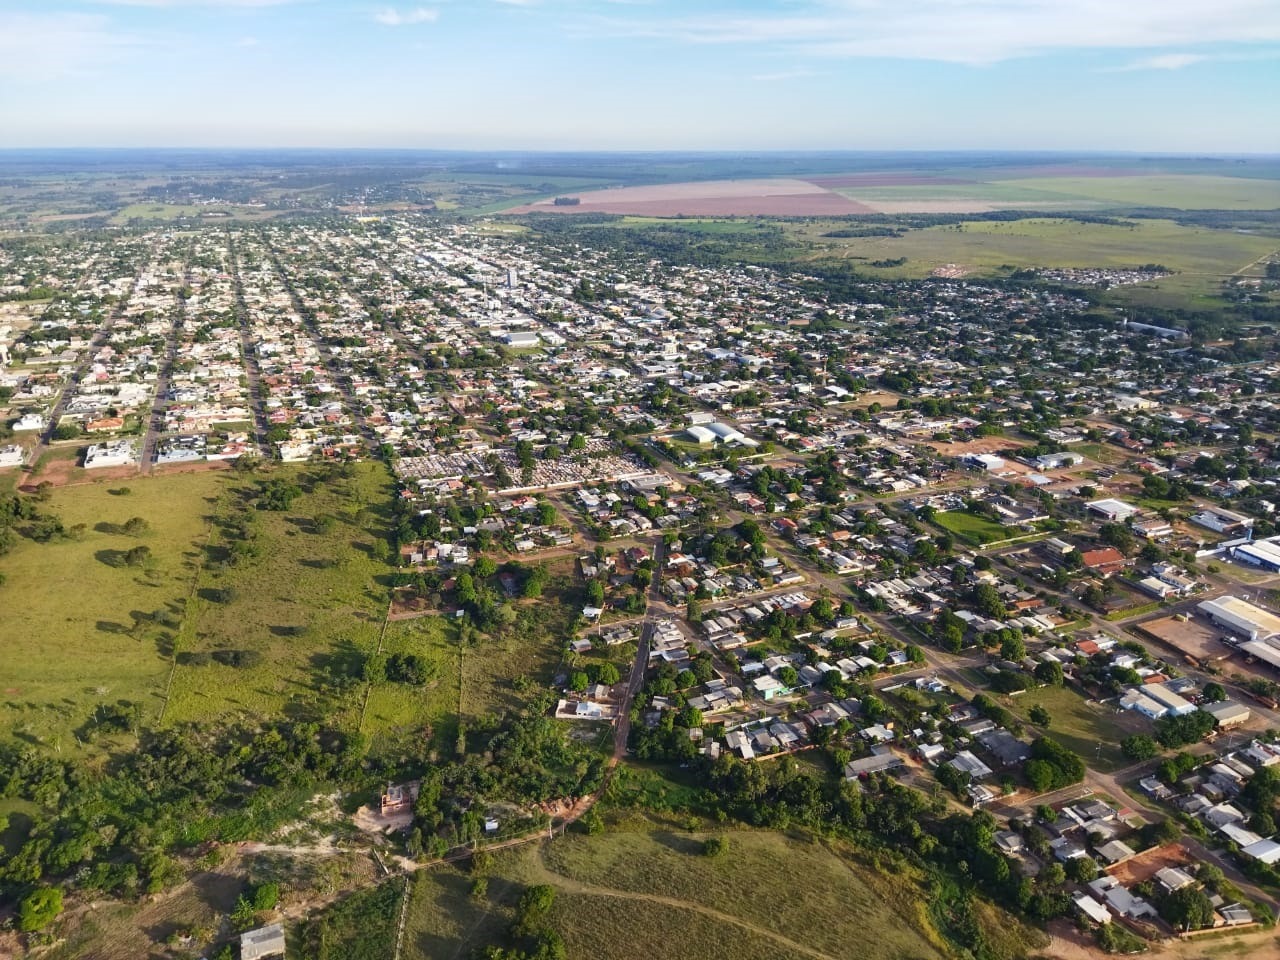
(85, 630)
(639, 889)
(311, 604)
(78, 624)
(993, 246)
(1188, 192)
(1179, 192)
(1092, 731)
(972, 528)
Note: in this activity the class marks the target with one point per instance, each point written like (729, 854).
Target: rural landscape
(617, 479)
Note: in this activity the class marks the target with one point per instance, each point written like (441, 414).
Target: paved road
(253, 372)
(155, 416)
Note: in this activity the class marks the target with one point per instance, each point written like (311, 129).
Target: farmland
(990, 246)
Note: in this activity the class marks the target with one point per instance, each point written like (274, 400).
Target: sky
(1179, 76)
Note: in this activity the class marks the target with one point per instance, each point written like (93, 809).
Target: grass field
(639, 889)
(395, 708)
(1180, 192)
(993, 246)
(78, 624)
(1091, 730)
(311, 605)
(971, 527)
(87, 630)
(1189, 192)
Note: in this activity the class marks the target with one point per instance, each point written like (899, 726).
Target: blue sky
(1144, 75)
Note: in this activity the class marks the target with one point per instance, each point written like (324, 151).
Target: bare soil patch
(1146, 864)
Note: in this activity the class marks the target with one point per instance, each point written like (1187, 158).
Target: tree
(578, 681)
(136, 527)
(607, 673)
(1040, 716)
(39, 909)
(1082, 869)
(715, 846)
(789, 677)
(1013, 648)
(1187, 909)
(595, 593)
(137, 556)
(1049, 672)
(1139, 747)
(1214, 692)
(484, 567)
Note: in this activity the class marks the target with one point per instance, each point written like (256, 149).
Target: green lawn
(79, 625)
(972, 528)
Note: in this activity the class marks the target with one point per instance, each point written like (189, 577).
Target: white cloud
(968, 31)
(785, 75)
(390, 17)
(195, 3)
(1166, 61)
(43, 46)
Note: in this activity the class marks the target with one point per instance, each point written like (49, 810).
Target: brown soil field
(884, 180)
(1189, 637)
(712, 198)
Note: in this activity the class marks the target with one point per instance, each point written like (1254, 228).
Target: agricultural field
(640, 884)
(925, 191)
(992, 247)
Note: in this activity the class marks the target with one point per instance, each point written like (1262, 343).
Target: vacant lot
(972, 528)
(81, 626)
(1093, 730)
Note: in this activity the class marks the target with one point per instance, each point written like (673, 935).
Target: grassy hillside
(642, 887)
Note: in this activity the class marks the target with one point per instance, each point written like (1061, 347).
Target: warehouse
(700, 434)
(1241, 617)
(1264, 554)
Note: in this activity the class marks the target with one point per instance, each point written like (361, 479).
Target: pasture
(81, 626)
(306, 606)
(281, 630)
(992, 247)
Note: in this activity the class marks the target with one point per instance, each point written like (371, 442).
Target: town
(976, 539)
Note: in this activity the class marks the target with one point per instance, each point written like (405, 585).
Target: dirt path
(569, 885)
